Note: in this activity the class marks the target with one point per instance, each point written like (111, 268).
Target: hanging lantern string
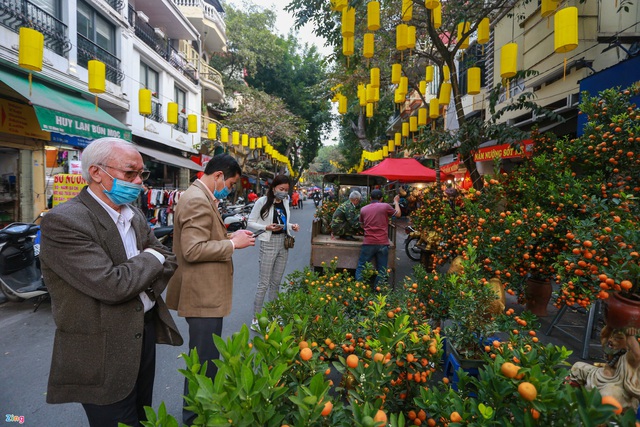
(96, 102)
(30, 82)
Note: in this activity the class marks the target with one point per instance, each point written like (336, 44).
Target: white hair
(355, 195)
(100, 152)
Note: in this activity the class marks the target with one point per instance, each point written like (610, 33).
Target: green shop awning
(64, 111)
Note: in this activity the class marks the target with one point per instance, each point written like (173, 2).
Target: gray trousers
(272, 261)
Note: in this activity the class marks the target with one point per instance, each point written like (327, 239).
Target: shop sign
(75, 167)
(56, 121)
(504, 151)
(66, 187)
(74, 141)
(19, 119)
(450, 168)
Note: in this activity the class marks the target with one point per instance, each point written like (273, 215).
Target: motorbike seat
(227, 215)
(162, 231)
(18, 230)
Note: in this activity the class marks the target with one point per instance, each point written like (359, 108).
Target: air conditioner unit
(159, 32)
(142, 16)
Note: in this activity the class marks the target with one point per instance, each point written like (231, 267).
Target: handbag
(289, 242)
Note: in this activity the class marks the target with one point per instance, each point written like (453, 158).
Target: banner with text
(66, 187)
(56, 121)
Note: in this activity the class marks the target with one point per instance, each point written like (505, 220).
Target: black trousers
(130, 410)
(201, 330)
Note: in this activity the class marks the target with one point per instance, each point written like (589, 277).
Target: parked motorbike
(317, 198)
(411, 244)
(234, 217)
(164, 235)
(20, 274)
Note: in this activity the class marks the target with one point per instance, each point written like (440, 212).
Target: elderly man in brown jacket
(105, 271)
(202, 287)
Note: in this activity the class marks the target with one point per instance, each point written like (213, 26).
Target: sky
(284, 22)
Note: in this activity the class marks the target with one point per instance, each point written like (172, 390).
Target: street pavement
(26, 338)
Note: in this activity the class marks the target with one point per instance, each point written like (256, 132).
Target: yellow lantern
(473, 80)
(463, 29)
(212, 131)
(245, 140)
(252, 143)
(508, 60)
(259, 142)
(548, 7)
(224, 135)
(413, 124)
(397, 139)
(367, 50)
(97, 76)
(411, 37)
(375, 77)
(434, 108)
(404, 85)
(436, 16)
(347, 46)
(483, 31)
(348, 21)
(407, 10)
(446, 74)
(401, 37)
(370, 94)
(422, 116)
(369, 110)
(373, 15)
(385, 151)
(391, 146)
(431, 4)
(342, 104)
(396, 73)
(376, 94)
(362, 95)
(429, 74)
(235, 137)
(405, 129)
(445, 94)
(398, 96)
(192, 123)
(144, 102)
(565, 37)
(30, 49)
(265, 141)
(172, 113)
(422, 87)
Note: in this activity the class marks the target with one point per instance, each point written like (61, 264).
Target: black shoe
(350, 238)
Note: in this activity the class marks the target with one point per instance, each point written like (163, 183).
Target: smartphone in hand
(257, 233)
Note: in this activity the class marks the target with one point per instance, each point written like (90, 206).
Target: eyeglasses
(130, 175)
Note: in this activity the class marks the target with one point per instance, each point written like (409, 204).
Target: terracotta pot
(538, 295)
(622, 311)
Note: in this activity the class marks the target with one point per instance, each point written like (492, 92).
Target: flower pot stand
(454, 362)
(589, 331)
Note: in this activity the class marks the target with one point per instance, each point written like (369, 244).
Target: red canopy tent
(405, 170)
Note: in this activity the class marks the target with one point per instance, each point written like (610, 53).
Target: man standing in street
(202, 288)
(106, 271)
(345, 223)
(375, 221)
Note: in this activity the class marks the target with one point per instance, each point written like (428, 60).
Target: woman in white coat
(271, 213)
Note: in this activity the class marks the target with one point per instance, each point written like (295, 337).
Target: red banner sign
(504, 151)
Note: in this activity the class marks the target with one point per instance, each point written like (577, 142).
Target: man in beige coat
(202, 287)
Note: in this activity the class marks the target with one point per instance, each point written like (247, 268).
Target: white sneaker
(254, 325)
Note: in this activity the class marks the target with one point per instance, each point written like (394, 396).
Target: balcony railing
(88, 50)
(116, 4)
(156, 112)
(209, 11)
(182, 124)
(162, 47)
(210, 74)
(22, 13)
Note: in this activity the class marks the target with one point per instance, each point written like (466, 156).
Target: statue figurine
(619, 377)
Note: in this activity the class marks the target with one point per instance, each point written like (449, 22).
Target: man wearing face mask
(105, 272)
(201, 289)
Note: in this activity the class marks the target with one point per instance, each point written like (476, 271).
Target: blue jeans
(381, 255)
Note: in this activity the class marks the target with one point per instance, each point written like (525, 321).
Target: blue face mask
(222, 194)
(122, 192)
